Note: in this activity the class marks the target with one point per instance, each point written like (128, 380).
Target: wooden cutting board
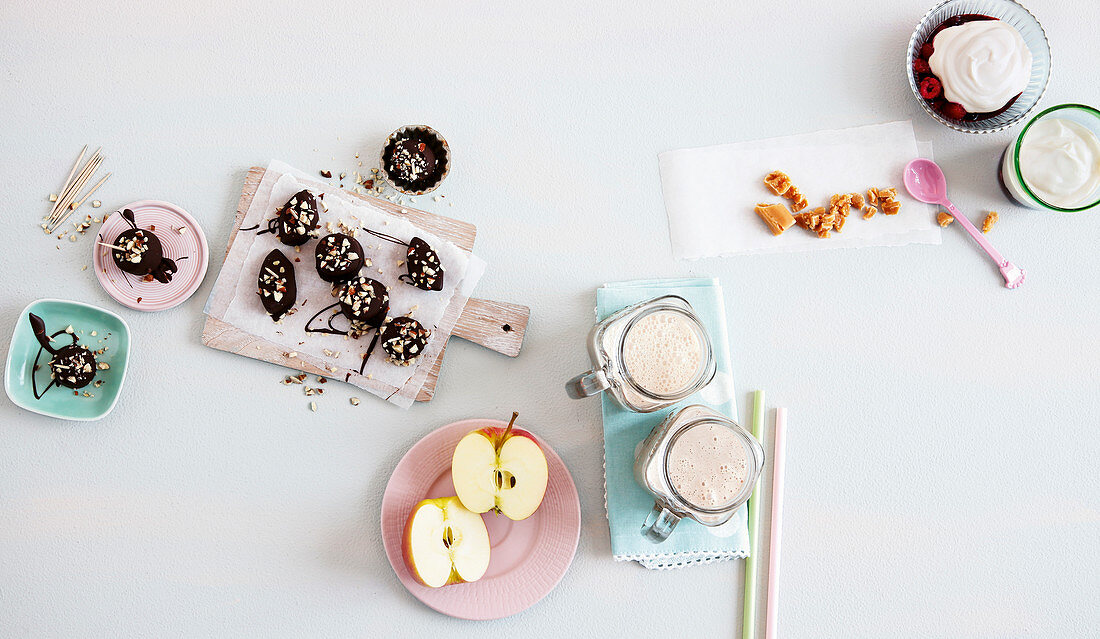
(498, 326)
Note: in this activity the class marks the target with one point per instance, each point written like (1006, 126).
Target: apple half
(501, 469)
(445, 543)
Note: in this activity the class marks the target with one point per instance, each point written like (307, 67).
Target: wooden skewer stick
(75, 205)
(72, 186)
(111, 246)
(62, 213)
(65, 187)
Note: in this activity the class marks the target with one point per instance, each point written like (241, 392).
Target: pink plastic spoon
(925, 181)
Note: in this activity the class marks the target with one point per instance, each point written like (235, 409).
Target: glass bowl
(1015, 15)
(1012, 178)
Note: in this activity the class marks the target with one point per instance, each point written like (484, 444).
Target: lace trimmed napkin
(710, 191)
(628, 503)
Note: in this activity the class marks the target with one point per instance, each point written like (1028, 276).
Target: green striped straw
(748, 622)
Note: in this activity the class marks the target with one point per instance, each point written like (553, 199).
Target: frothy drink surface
(707, 465)
(662, 353)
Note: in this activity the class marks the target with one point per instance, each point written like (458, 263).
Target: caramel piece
(778, 182)
(776, 216)
(945, 219)
(890, 207)
(869, 212)
(857, 200)
(990, 220)
(872, 196)
(887, 194)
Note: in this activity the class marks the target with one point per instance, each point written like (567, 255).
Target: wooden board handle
(498, 326)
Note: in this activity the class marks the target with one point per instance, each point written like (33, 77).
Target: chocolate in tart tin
(339, 257)
(415, 159)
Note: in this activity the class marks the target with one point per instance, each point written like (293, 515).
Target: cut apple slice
(502, 469)
(445, 543)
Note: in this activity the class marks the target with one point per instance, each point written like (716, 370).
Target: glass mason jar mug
(697, 463)
(648, 356)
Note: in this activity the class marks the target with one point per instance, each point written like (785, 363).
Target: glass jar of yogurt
(648, 356)
(1054, 164)
(697, 463)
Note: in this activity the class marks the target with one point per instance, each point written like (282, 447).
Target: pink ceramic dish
(528, 558)
(167, 219)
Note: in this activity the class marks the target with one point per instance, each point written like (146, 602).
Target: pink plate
(168, 219)
(528, 558)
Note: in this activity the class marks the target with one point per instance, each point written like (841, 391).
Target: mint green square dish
(112, 333)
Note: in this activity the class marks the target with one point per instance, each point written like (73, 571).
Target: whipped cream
(982, 64)
(1060, 161)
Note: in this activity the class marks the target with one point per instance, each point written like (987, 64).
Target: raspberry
(930, 88)
(954, 111)
(926, 50)
(921, 66)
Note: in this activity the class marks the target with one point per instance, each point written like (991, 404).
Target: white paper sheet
(710, 192)
(234, 299)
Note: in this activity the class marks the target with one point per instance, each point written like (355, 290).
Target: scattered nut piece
(990, 220)
(326, 174)
(944, 219)
(313, 406)
(96, 204)
(53, 197)
(103, 366)
(354, 401)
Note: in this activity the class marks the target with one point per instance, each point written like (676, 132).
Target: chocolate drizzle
(141, 253)
(72, 366)
(424, 270)
(339, 257)
(278, 289)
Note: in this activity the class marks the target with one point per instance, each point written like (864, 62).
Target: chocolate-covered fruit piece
(297, 220)
(364, 301)
(140, 252)
(277, 287)
(71, 366)
(415, 159)
(339, 257)
(403, 339)
(425, 270)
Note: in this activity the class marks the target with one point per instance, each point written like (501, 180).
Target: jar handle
(659, 524)
(587, 384)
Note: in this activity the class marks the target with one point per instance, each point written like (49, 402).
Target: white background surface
(942, 454)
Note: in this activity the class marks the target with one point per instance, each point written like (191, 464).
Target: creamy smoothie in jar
(1055, 161)
(662, 353)
(708, 465)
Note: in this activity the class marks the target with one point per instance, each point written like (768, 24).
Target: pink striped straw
(778, 458)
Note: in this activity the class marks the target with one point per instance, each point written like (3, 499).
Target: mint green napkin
(628, 503)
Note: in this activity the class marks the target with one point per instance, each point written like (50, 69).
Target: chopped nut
(291, 354)
(103, 366)
(944, 219)
(53, 197)
(96, 204)
(326, 174)
(313, 406)
(354, 401)
(990, 220)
